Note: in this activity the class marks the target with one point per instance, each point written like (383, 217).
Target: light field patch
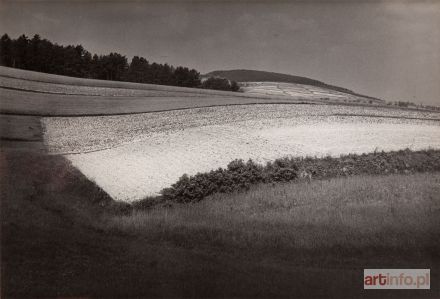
(134, 156)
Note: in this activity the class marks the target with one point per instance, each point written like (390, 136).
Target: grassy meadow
(63, 236)
(399, 212)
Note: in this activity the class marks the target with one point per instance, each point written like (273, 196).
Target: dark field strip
(28, 103)
(306, 102)
(46, 92)
(63, 89)
(89, 95)
(20, 128)
(180, 95)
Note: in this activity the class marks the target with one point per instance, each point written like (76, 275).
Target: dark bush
(281, 170)
(237, 176)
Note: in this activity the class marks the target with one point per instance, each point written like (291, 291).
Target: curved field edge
(240, 175)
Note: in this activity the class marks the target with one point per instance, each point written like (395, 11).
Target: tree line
(41, 55)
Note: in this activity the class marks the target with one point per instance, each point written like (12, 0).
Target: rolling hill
(263, 76)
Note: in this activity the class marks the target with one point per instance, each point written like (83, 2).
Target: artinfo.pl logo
(396, 278)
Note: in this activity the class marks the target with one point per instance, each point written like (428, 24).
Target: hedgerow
(240, 175)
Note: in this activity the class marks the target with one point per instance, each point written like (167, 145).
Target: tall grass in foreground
(60, 237)
(399, 212)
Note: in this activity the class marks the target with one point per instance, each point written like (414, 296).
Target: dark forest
(42, 55)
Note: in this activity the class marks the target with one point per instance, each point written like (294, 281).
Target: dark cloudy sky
(388, 49)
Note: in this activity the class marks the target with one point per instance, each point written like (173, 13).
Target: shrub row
(240, 175)
(237, 176)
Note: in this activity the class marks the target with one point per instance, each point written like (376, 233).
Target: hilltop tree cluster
(41, 55)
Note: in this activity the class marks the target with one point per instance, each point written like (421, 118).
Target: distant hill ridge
(263, 76)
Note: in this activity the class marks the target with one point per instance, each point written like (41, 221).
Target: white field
(133, 156)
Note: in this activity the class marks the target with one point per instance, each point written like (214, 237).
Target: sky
(386, 49)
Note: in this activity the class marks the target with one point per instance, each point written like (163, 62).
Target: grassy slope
(396, 211)
(61, 237)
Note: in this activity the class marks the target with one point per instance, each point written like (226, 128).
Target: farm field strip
(20, 128)
(63, 89)
(28, 103)
(137, 155)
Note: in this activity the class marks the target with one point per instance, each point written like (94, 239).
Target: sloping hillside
(310, 92)
(26, 96)
(33, 93)
(263, 76)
